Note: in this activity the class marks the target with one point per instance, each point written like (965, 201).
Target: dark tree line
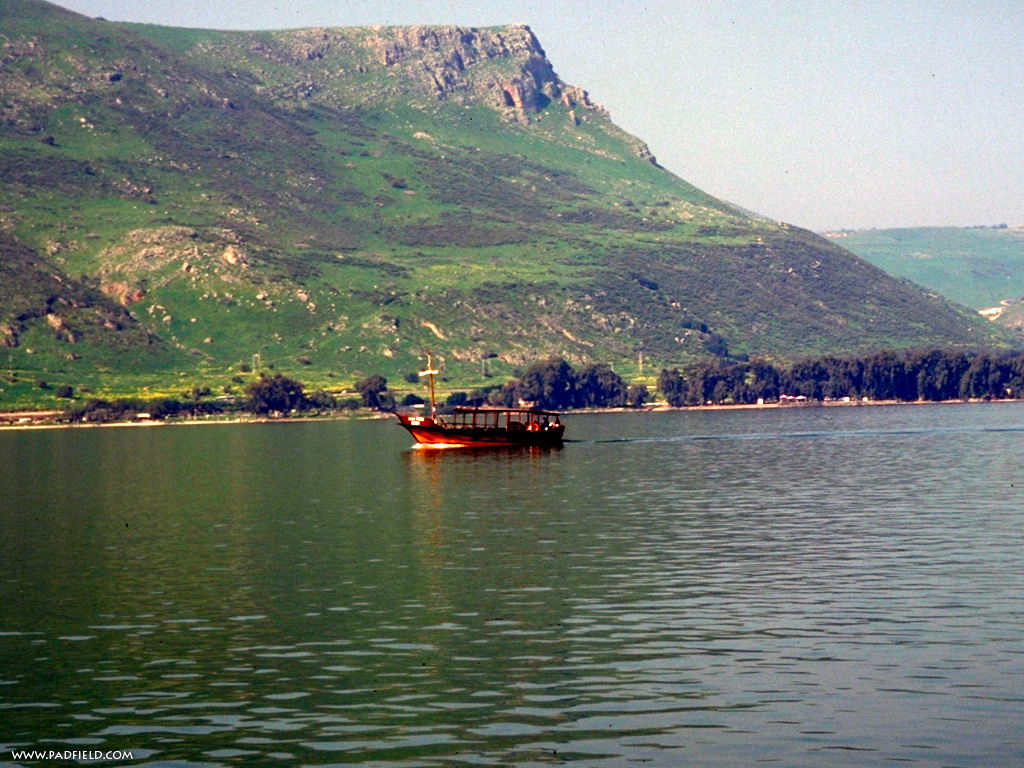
(373, 393)
(99, 410)
(553, 384)
(281, 394)
(906, 376)
(275, 394)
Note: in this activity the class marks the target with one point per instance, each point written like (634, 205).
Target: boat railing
(496, 418)
(511, 420)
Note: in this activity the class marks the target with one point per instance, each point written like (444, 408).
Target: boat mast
(430, 372)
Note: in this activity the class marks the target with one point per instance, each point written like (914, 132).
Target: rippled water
(801, 587)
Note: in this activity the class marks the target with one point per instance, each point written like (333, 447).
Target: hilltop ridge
(503, 68)
(338, 200)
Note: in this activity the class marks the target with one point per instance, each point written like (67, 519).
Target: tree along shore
(553, 384)
(932, 376)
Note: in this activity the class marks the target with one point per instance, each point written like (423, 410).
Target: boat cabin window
(495, 418)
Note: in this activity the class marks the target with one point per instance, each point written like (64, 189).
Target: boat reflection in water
(482, 427)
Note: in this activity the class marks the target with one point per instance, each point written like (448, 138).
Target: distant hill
(975, 266)
(980, 267)
(340, 200)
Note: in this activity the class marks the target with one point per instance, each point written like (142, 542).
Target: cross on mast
(431, 373)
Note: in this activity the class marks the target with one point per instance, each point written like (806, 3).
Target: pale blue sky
(845, 113)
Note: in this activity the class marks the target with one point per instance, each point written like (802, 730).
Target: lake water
(798, 587)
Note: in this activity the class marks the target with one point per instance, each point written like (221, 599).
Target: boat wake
(803, 435)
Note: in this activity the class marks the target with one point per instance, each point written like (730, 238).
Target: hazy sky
(829, 114)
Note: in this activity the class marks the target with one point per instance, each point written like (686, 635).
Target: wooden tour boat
(483, 427)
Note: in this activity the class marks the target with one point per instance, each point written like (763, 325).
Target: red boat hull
(426, 431)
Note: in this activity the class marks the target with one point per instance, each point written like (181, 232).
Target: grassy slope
(284, 193)
(976, 267)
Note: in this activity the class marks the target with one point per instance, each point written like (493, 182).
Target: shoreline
(16, 420)
(11, 427)
(663, 408)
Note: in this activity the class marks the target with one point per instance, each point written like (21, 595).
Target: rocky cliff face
(450, 62)
(504, 68)
(439, 58)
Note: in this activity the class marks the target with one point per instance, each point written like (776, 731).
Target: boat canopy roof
(535, 411)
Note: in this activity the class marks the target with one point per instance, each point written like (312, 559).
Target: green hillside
(978, 267)
(339, 200)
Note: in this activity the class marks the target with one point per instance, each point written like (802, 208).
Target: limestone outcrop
(446, 62)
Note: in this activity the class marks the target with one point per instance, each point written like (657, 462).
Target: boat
(485, 427)
(482, 427)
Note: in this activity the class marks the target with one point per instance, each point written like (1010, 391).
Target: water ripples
(849, 598)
